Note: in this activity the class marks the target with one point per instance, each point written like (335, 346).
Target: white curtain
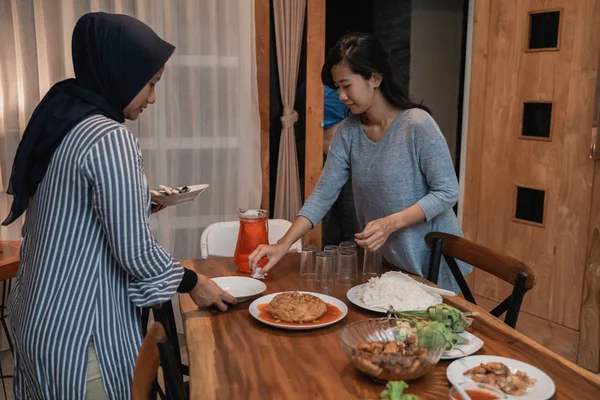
(204, 127)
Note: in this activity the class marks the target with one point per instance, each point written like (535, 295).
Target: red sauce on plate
(475, 394)
(331, 315)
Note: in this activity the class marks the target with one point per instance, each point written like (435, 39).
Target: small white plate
(170, 200)
(463, 350)
(327, 299)
(240, 287)
(544, 387)
(352, 295)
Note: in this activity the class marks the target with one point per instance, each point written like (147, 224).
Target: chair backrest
(509, 269)
(9, 260)
(156, 351)
(219, 239)
(146, 364)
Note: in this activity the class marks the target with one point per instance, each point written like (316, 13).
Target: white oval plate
(544, 387)
(240, 287)
(352, 295)
(327, 299)
(463, 350)
(173, 199)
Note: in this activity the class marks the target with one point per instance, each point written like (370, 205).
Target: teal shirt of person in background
(340, 223)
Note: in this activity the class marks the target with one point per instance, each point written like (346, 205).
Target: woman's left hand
(156, 208)
(375, 234)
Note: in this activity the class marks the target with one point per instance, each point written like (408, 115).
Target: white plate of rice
(397, 290)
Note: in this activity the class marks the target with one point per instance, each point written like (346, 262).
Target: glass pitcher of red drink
(253, 232)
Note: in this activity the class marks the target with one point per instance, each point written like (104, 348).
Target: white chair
(219, 239)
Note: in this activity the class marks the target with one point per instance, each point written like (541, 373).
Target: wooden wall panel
(565, 252)
(558, 338)
(589, 345)
(503, 160)
(315, 57)
(263, 22)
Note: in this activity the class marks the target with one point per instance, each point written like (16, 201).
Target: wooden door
(529, 175)
(315, 57)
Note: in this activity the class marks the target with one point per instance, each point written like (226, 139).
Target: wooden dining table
(233, 356)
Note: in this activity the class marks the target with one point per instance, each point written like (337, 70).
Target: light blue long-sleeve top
(88, 263)
(410, 165)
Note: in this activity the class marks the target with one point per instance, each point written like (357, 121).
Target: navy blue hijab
(114, 56)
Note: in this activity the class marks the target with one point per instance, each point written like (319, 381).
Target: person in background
(340, 223)
(89, 262)
(402, 174)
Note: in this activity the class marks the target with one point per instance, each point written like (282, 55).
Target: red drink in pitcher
(253, 232)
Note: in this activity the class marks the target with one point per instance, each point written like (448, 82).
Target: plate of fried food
(518, 380)
(296, 310)
(170, 196)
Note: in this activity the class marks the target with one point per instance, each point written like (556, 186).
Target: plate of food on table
(518, 380)
(397, 290)
(295, 310)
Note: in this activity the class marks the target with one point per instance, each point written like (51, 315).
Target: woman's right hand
(207, 293)
(273, 252)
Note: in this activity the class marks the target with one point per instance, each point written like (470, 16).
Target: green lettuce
(394, 391)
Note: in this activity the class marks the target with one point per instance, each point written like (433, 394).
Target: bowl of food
(392, 349)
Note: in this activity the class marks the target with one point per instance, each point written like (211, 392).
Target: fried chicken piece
(297, 307)
(488, 379)
(479, 370)
(526, 378)
(497, 368)
(513, 385)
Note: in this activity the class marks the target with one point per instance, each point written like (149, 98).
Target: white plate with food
(310, 310)
(170, 196)
(517, 379)
(394, 289)
(463, 350)
(240, 287)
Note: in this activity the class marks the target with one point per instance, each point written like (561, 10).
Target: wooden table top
(234, 356)
(9, 259)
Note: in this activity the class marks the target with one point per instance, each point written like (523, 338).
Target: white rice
(397, 290)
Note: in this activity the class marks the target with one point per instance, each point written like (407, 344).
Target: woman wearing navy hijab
(88, 259)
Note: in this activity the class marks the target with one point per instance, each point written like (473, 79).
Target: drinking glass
(348, 245)
(325, 268)
(334, 250)
(371, 264)
(347, 270)
(307, 262)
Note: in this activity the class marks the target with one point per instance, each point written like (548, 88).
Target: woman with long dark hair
(402, 174)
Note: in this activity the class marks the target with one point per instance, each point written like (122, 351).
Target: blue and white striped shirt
(88, 263)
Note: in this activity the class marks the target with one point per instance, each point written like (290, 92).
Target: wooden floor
(7, 368)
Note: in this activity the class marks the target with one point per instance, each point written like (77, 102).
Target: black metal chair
(511, 270)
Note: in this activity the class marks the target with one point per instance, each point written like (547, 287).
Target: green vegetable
(442, 318)
(394, 391)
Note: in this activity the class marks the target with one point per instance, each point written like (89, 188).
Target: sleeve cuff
(188, 282)
(428, 208)
(309, 216)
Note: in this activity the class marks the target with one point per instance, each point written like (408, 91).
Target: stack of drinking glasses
(338, 264)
